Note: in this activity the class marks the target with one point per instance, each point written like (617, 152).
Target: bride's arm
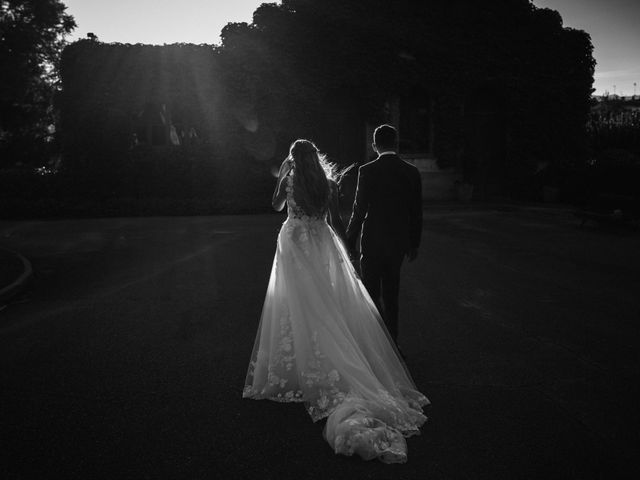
(280, 193)
(335, 220)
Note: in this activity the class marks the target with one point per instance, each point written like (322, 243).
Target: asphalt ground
(127, 357)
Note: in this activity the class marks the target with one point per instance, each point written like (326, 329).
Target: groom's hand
(412, 254)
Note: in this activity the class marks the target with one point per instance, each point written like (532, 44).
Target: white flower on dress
(273, 379)
(323, 402)
(248, 391)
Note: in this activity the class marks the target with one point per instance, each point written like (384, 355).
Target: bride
(321, 340)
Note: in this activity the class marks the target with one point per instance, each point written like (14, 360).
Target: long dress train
(321, 341)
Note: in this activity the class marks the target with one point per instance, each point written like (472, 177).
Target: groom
(388, 210)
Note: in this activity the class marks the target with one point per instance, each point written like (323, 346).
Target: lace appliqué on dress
(280, 371)
(300, 226)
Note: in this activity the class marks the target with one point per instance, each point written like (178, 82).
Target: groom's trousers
(381, 277)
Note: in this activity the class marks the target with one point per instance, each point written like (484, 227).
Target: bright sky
(614, 26)
(158, 21)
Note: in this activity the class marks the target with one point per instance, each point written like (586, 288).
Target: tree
(32, 35)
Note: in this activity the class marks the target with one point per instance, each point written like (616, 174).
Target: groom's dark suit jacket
(388, 207)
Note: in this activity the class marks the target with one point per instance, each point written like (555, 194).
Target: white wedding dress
(321, 341)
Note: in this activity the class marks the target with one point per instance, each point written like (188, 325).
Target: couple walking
(322, 340)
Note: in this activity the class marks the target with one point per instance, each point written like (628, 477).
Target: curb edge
(17, 285)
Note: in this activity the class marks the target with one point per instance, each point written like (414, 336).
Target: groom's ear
(375, 147)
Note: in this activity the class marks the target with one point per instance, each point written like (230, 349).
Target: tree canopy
(32, 35)
(299, 55)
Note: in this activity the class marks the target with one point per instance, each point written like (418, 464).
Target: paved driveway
(127, 358)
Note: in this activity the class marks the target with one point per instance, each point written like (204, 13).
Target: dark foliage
(172, 181)
(505, 59)
(612, 168)
(32, 37)
(615, 124)
(614, 140)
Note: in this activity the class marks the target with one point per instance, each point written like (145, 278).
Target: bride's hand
(286, 167)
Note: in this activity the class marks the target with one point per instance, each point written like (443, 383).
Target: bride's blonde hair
(312, 173)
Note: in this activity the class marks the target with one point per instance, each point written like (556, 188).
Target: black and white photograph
(319, 239)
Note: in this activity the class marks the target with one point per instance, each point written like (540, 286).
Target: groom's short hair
(385, 136)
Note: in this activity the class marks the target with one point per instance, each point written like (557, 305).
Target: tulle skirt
(321, 342)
